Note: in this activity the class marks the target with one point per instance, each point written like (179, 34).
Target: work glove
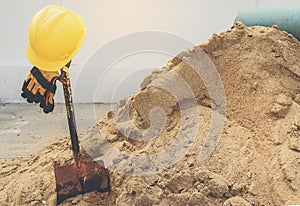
(39, 87)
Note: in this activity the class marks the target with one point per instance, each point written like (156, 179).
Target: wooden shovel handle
(70, 114)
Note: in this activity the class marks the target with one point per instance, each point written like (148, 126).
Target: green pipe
(287, 18)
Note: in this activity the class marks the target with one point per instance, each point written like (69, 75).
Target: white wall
(107, 20)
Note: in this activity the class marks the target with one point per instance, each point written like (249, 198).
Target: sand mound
(255, 161)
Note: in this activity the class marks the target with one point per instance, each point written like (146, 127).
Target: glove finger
(35, 88)
(42, 104)
(31, 85)
(30, 97)
(48, 108)
(38, 97)
(49, 102)
(42, 91)
(28, 79)
(24, 94)
(25, 84)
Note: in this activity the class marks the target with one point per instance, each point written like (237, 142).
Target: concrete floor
(25, 129)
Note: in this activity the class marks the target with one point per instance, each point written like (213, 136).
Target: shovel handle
(70, 113)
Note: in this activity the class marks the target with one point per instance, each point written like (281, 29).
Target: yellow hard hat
(55, 36)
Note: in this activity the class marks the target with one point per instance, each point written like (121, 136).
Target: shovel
(80, 176)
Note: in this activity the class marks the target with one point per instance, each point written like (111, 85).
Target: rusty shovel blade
(80, 177)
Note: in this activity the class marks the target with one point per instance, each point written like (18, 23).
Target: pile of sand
(255, 162)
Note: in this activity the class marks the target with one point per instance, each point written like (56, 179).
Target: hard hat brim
(45, 65)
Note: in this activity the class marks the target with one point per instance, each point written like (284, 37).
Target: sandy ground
(177, 141)
(21, 133)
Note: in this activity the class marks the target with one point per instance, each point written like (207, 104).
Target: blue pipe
(287, 18)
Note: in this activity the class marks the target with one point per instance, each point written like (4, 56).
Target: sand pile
(168, 132)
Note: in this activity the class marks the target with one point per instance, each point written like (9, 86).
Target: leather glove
(39, 87)
(47, 102)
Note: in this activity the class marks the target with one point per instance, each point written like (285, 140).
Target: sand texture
(162, 146)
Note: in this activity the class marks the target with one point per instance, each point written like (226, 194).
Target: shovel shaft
(70, 114)
(79, 177)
